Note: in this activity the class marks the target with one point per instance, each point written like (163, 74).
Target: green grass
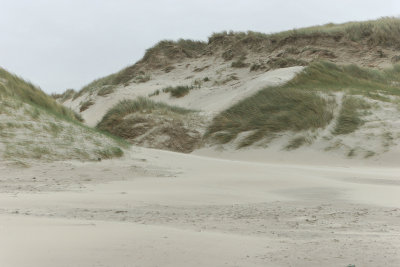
(328, 77)
(298, 105)
(349, 119)
(270, 111)
(18, 88)
(28, 112)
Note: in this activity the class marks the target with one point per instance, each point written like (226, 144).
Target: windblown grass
(384, 31)
(349, 119)
(270, 111)
(143, 122)
(328, 77)
(54, 137)
(172, 49)
(125, 107)
(34, 126)
(298, 105)
(15, 87)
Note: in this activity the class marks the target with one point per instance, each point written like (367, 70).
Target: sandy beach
(159, 208)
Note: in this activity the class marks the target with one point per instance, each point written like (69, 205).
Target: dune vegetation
(33, 126)
(271, 111)
(384, 31)
(15, 87)
(153, 124)
(307, 102)
(234, 46)
(349, 119)
(178, 91)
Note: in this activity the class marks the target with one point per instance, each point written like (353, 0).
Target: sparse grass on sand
(68, 94)
(328, 77)
(349, 119)
(15, 87)
(106, 90)
(29, 132)
(143, 121)
(384, 32)
(85, 105)
(178, 91)
(117, 113)
(34, 126)
(270, 111)
(303, 103)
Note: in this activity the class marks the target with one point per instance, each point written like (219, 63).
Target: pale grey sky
(59, 44)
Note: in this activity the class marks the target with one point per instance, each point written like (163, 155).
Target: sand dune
(158, 208)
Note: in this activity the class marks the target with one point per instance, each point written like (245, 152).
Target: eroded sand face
(157, 208)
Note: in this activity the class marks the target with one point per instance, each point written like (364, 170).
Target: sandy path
(169, 209)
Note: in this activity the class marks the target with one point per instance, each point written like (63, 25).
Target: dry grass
(384, 31)
(152, 124)
(178, 91)
(85, 105)
(68, 94)
(117, 113)
(174, 50)
(276, 63)
(106, 90)
(240, 63)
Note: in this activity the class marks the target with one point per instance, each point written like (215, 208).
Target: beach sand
(159, 208)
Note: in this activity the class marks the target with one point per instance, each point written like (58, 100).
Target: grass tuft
(106, 90)
(85, 105)
(349, 119)
(110, 152)
(15, 87)
(270, 111)
(116, 114)
(296, 143)
(178, 91)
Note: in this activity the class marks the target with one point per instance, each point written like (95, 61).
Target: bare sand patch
(169, 209)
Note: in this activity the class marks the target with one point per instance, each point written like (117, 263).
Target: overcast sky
(59, 44)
